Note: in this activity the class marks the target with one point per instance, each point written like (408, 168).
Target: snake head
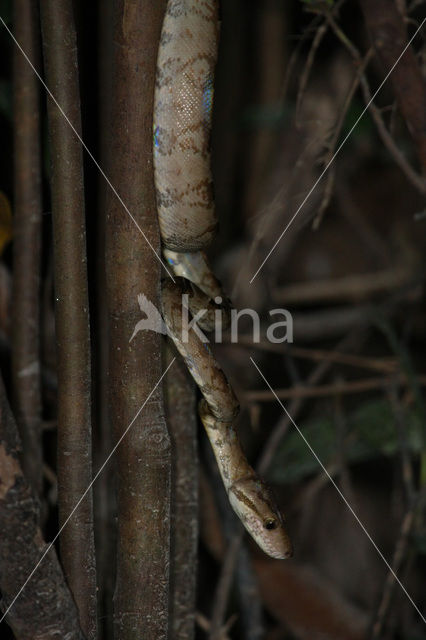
(254, 505)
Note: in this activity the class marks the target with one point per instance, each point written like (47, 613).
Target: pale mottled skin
(195, 268)
(182, 124)
(248, 495)
(198, 357)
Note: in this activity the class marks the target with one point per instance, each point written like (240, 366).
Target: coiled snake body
(182, 123)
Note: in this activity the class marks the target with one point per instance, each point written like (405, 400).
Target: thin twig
(417, 180)
(319, 35)
(400, 423)
(205, 625)
(397, 560)
(316, 42)
(359, 287)
(311, 27)
(332, 145)
(295, 407)
(355, 386)
(224, 585)
(384, 365)
(388, 33)
(251, 605)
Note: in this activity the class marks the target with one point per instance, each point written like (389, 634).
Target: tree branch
(143, 466)
(416, 180)
(104, 501)
(45, 608)
(388, 34)
(71, 309)
(182, 421)
(354, 386)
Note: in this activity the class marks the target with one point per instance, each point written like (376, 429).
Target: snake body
(182, 117)
(182, 124)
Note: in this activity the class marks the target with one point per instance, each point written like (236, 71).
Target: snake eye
(270, 524)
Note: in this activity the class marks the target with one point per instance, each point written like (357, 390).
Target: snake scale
(182, 125)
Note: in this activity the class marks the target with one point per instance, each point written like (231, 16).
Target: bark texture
(27, 240)
(45, 609)
(181, 414)
(71, 309)
(143, 457)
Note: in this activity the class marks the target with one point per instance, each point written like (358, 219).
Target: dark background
(277, 105)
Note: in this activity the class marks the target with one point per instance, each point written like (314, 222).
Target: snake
(187, 219)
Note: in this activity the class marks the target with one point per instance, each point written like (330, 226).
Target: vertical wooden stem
(26, 240)
(71, 309)
(143, 457)
(182, 420)
(105, 508)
